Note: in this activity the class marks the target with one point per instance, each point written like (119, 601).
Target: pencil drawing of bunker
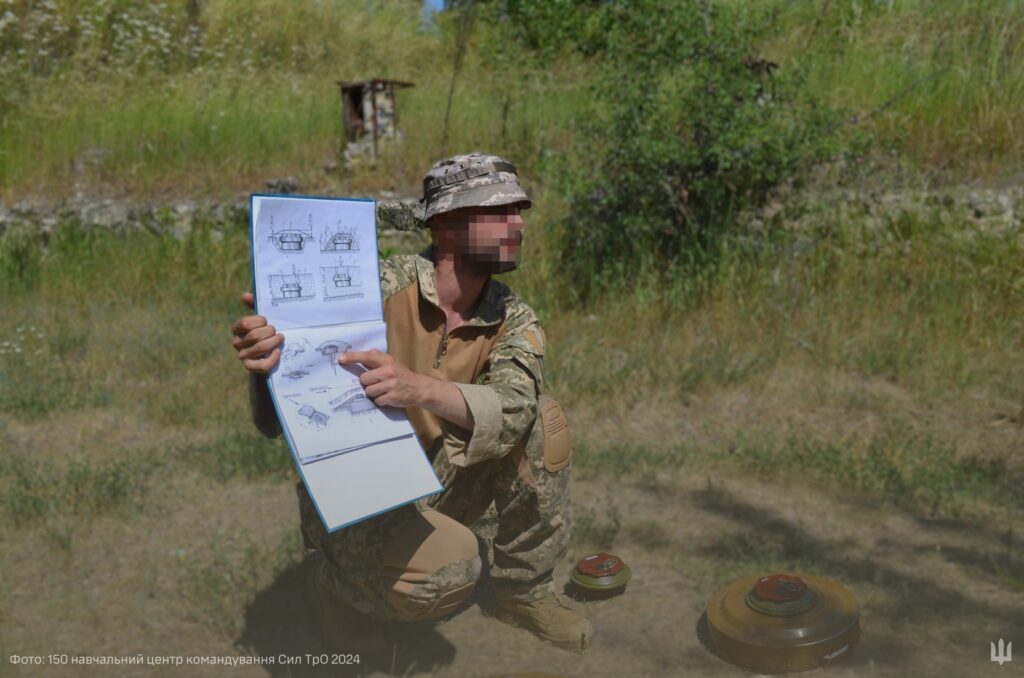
(296, 286)
(339, 280)
(313, 416)
(290, 240)
(338, 240)
(354, 400)
(331, 348)
(295, 362)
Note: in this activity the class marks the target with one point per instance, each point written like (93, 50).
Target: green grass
(176, 126)
(597, 529)
(134, 328)
(618, 459)
(935, 309)
(897, 316)
(875, 355)
(262, 102)
(41, 484)
(914, 469)
(918, 323)
(241, 453)
(940, 82)
(219, 585)
(44, 490)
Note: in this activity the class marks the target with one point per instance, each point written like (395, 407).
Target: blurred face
(485, 239)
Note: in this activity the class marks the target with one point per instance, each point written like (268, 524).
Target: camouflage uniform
(496, 360)
(502, 461)
(473, 180)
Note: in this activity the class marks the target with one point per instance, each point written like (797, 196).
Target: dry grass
(144, 514)
(938, 83)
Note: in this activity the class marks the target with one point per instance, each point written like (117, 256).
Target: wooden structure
(369, 110)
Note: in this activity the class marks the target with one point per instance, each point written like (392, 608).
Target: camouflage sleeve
(504, 405)
(396, 272)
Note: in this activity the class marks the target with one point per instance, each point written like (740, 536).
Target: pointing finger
(370, 359)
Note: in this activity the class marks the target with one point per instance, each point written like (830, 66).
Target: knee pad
(437, 594)
(434, 564)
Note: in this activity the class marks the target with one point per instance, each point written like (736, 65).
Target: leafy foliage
(690, 125)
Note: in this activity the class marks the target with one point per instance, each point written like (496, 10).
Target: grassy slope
(886, 363)
(939, 82)
(906, 361)
(122, 422)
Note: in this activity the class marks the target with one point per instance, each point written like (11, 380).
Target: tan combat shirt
(495, 359)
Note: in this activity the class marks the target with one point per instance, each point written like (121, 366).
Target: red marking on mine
(779, 588)
(599, 565)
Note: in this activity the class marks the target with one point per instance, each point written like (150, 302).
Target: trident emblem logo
(1001, 654)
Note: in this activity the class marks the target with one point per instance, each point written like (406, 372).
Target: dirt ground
(201, 568)
(930, 594)
(930, 601)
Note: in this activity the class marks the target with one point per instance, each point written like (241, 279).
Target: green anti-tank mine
(601, 575)
(783, 622)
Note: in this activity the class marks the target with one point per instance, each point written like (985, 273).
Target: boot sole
(575, 646)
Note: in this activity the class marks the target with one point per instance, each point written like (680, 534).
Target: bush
(690, 126)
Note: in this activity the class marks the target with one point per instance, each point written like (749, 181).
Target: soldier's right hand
(258, 344)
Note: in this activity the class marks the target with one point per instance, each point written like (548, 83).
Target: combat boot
(550, 618)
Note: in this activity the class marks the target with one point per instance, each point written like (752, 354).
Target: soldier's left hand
(388, 382)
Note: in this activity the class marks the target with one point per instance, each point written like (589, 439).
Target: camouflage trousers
(421, 560)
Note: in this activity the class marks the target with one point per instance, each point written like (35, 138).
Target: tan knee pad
(434, 564)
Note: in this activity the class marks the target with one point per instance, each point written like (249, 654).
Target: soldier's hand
(258, 344)
(387, 381)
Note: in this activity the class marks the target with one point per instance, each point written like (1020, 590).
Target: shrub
(690, 126)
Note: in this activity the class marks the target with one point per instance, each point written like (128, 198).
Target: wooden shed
(369, 109)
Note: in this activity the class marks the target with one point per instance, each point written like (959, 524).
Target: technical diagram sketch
(314, 418)
(330, 350)
(339, 281)
(339, 239)
(290, 240)
(354, 400)
(356, 459)
(334, 241)
(309, 417)
(294, 286)
(297, 359)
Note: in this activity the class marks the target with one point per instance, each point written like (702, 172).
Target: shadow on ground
(281, 622)
(912, 599)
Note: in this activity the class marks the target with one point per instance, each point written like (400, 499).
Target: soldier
(466, 362)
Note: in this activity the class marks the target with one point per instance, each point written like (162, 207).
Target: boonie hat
(471, 180)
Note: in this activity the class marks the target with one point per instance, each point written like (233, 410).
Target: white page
(356, 485)
(322, 403)
(317, 280)
(315, 261)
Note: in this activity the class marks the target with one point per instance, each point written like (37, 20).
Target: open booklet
(317, 280)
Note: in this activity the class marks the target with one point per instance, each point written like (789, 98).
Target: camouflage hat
(471, 180)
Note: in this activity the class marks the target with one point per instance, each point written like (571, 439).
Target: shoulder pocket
(529, 357)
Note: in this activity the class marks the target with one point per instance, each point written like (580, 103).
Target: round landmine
(783, 622)
(600, 575)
